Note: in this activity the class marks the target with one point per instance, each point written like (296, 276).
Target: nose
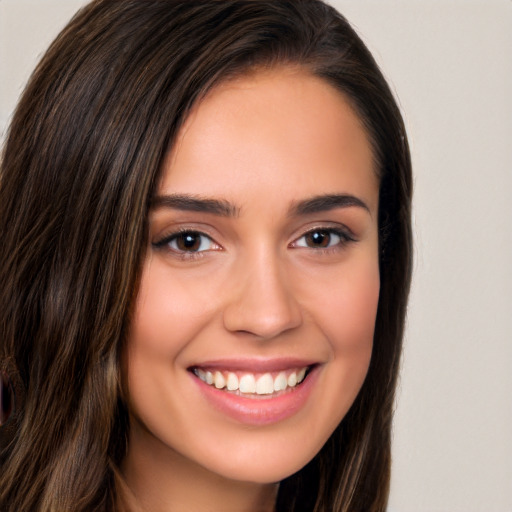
(262, 302)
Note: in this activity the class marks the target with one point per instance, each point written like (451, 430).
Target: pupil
(189, 242)
(319, 238)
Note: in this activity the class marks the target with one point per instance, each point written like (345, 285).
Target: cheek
(344, 305)
(169, 311)
(348, 323)
(354, 306)
(351, 326)
(345, 311)
(160, 331)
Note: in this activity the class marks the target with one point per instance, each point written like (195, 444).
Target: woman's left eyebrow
(323, 203)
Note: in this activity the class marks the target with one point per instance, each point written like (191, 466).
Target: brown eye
(323, 239)
(188, 241)
(318, 239)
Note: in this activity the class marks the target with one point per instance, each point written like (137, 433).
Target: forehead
(271, 129)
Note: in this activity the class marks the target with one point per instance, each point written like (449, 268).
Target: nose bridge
(262, 302)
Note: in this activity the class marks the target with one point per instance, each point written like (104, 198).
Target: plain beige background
(450, 64)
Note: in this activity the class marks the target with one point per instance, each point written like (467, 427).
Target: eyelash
(165, 243)
(345, 237)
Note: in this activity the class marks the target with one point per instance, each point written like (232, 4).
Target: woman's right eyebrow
(192, 203)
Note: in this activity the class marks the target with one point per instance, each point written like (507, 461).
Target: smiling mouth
(247, 384)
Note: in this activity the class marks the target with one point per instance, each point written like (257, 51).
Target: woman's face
(254, 321)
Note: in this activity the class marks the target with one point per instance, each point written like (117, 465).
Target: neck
(159, 479)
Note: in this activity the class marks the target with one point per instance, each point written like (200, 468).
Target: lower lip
(259, 410)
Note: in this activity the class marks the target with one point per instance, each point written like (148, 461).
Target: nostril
(263, 317)
(262, 302)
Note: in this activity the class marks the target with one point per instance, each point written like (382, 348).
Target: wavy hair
(80, 163)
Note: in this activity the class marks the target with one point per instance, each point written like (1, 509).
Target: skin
(257, 289)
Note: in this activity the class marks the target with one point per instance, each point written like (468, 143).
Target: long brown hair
(80, 163)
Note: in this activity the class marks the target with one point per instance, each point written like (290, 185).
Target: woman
(205, 216)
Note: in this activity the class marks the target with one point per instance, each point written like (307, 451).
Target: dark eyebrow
(191, 203)
(327, 202)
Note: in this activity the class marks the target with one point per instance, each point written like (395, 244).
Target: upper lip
(255, 365)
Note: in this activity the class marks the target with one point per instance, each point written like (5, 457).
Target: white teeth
(281, 382)
(247, 384)
(232, 382)
(265, 385)
(220, 381)
(292, 380)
